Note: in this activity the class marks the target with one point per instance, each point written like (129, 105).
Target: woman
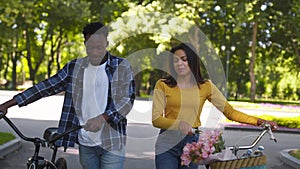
(178, 100)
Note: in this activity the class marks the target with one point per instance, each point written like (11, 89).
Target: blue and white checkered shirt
(69, 79)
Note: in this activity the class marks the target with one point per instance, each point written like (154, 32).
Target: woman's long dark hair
(193, 61)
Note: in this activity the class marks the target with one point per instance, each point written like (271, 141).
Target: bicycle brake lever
(44, 144)
(268, 127)
(271, 135)
(196, 131)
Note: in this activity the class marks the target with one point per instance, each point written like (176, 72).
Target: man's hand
(3, 109)
(94, 124)
(6, 105)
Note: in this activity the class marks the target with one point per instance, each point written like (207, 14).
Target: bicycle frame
(36, 161)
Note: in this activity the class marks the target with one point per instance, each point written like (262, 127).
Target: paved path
(140, 150)
(34, 118)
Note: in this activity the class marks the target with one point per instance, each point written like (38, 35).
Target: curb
(255, 128)
(288, 159)
(9, 147)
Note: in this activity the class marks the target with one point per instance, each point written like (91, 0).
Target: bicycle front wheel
(61, 163)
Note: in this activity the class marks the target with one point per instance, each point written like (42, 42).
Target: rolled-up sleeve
(48, 87)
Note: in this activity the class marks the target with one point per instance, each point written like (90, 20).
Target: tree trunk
(51, 58)
(14, 70)
(252, 64)
(58, 54)
(54, 53)
(28, 56)
(15, 56)
(6, 68)
(138, 81)
(297, 53)
(42, 56)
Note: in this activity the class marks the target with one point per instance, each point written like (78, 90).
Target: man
(99, 93)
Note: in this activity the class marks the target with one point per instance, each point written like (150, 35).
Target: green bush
(291, 122)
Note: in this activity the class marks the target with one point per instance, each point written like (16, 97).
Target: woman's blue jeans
(170, 158)
(99, 158)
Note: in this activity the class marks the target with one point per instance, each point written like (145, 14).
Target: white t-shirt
(94, 101)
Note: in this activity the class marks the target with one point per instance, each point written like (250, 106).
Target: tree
(11, 45)
(141, 36)
(266, 36)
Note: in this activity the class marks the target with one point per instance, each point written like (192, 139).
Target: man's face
(96, 48)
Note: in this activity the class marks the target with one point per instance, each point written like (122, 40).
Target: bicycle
(266, 129)
(243, 162)
(50, 136)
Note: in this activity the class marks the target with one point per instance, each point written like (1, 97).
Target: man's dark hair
(95, 27)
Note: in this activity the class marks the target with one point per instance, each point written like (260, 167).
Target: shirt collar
(85, 61)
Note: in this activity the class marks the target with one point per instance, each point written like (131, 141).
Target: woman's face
(180, 63)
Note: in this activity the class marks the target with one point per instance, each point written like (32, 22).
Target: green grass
(271, 101)
(5, 137)
(295, 153)
(290, 122)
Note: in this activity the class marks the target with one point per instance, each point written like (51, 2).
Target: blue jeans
(170, 159)
(99, 158)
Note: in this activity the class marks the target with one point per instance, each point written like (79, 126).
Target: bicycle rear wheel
(61, 163)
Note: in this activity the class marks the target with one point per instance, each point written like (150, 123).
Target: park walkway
(140, 130)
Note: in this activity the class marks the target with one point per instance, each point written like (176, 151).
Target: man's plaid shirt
(69, 79)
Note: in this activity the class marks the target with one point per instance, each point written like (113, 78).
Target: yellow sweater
(172, 104)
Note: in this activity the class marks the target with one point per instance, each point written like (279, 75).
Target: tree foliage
(38, 37)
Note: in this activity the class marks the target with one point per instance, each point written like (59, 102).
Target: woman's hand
(273, 124)
(185, 128)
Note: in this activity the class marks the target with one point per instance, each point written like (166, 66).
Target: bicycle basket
(258, 162)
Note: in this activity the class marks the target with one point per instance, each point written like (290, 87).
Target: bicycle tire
(61, 163)
(50, 165)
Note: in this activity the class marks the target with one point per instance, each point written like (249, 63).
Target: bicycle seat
(50, 133)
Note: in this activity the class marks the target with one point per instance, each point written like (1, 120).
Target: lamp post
(232, 49)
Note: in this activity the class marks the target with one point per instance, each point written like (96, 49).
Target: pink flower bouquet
(201, 152)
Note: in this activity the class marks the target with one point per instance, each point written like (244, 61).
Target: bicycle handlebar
(36, 139)
(64, 133)
(267, 129)
(14, 127)
(37, 161)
